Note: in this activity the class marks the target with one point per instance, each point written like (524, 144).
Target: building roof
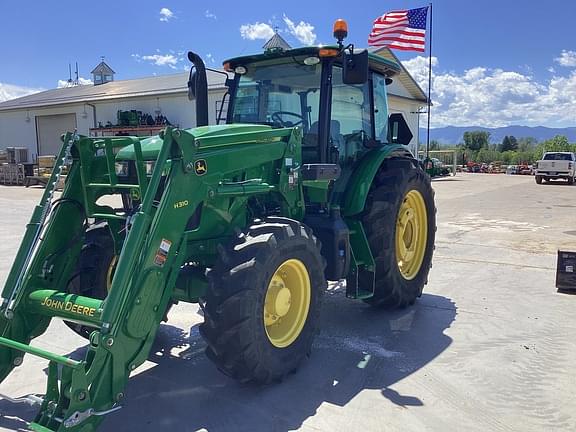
(276, 42)
(161, 85)
(404, 76)
(103, 68)
(150, 86)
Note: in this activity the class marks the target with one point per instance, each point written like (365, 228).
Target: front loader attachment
(148, 241)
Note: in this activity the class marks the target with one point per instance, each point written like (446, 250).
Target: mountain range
(450, 135)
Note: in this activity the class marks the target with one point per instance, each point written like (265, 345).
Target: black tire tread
(230, 328)
(90, 274)
(396, 177)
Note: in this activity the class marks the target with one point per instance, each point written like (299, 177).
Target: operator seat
(310, 153)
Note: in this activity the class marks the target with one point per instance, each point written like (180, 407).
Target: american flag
(402, 29)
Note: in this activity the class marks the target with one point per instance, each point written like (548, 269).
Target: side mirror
(355, 67)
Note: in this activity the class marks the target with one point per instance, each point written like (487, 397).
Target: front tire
(538, 179)
(263, 301)
(400, 223)
(94, 269)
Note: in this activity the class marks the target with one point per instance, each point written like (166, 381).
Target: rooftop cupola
(102, 73)
(276, 43)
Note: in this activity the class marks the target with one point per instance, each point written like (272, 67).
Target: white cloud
(81, 81)
(169, 60)
(210, 58)
(494, 97)
(567, 58)
(418, 68)
(166, 14)
(257, 30)
(302, 31)
(11, 91)
(210, 15)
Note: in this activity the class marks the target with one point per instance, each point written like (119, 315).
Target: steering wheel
(277, 118)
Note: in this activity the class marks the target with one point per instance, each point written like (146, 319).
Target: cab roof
(377, 63)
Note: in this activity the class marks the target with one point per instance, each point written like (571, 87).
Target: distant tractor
(309, 180)
(439, 163)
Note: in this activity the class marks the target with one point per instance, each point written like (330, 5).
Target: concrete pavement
(490, 345)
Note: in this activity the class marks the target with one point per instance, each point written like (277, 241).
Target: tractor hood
(210, 136)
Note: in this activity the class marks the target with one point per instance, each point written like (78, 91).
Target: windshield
(558, 156)
(280, 92)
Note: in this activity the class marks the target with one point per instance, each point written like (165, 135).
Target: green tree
(486, 155)
(509, 143)
(527, 144)
(508, 157)
(434, 145)
(476, 140)
(505, 146)
(558, 143)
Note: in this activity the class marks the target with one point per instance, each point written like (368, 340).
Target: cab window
(350, 125)
(380, 107)
(279, 92)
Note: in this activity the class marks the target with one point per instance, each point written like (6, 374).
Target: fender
(364, 173)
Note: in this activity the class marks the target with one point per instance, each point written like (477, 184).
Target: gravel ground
(488, 347)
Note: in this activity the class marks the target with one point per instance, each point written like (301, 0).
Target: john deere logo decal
(200, 167)
(135, 194)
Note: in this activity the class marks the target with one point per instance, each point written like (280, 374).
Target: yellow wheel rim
(287, 303)
(411, 234)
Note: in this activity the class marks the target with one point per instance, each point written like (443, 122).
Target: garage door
(49, 128)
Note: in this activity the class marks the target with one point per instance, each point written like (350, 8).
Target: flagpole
(429, 84)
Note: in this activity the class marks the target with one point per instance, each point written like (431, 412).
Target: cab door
(351, 121)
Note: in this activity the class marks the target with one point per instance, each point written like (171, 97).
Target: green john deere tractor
(308, 180)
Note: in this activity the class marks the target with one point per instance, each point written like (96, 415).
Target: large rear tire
(263, 303)
(400, 224)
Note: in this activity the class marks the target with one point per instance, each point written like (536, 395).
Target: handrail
(38, 352)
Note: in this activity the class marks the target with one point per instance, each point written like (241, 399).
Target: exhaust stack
(198, 88)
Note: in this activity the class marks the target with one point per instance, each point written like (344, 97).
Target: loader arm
(155, 241)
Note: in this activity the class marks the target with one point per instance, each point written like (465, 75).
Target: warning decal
(162, 252)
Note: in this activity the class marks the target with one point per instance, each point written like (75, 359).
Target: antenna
(69, 74)
(77, 82)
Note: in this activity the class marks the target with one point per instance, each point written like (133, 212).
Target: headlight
(149, 166)
(121, 168)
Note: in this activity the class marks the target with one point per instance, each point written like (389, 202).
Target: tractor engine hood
(210, 136)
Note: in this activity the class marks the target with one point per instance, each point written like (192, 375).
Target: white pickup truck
(556, 165)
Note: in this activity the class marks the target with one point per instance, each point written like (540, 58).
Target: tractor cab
(336, 95)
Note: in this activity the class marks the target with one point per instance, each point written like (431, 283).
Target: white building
(37, 121)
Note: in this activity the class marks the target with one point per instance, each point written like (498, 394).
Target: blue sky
(495, 62)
